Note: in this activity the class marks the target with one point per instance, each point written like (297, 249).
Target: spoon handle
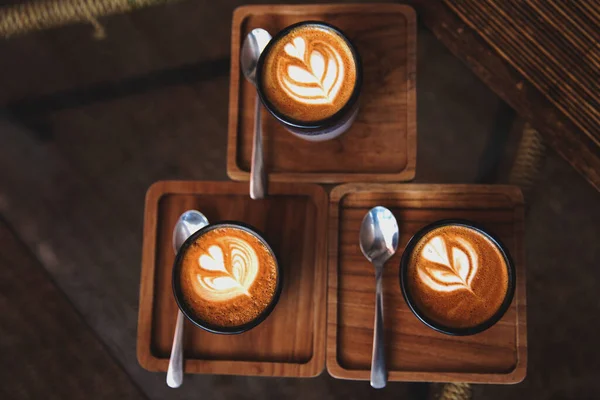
(175, 371)
(378, 369)
(258, 179)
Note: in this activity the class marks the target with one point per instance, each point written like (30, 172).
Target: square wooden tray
(414, 351)
(382, 143)
(291, 341)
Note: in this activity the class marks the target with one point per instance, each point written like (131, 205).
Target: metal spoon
(378, 242)
(254, 44)
(188, 223)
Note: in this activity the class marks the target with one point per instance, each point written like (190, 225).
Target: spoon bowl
(188, 223)
(254, 44)
(379, 235)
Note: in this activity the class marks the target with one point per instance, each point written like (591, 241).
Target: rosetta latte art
(227, 271)
(314, 73)
(450, 269)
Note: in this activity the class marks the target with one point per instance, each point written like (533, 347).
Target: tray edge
(145, 358)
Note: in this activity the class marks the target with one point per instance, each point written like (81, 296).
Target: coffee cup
(309, 77)
(456, 277)
(226, 278)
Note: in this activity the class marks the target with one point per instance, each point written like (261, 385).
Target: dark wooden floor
(86, 126)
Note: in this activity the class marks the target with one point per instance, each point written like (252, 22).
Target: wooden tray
(414, 351)
(382, 143)
(291, 341)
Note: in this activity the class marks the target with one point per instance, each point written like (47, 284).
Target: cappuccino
(228, 277)
(309, 78)
(309, 74)
(456, 277)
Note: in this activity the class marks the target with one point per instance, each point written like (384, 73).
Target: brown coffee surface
(457, 276)
(309, 74)
(228, 277)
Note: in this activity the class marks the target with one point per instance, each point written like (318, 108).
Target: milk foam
(449, 269)
(315, 72)
(227, 271)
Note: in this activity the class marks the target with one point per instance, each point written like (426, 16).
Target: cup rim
(322, 123)
(178, 293)
(421, 315)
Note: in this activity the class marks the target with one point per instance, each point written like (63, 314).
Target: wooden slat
(528, 37)
(560, 76)
(48, 351)
(547, 43)
(562, 134)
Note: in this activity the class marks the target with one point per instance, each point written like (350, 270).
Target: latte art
(447, 274)
(216, 282)
(308, 74)
(228, 276)
(456, 276)
(311, 75)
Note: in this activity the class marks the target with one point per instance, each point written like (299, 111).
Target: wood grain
(381, 144)
(488, 63)
(414, 351)
(291, 342)
(553, 44)
(48, 351)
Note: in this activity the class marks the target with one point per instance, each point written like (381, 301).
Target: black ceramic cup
(404, 265)
(324, 129)
(189, 312)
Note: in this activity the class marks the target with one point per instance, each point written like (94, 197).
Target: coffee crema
(457, 277)
(228, 277)
(309, 74)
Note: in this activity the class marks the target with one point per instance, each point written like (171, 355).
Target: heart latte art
(450, 269)
(457, 276)
(219, 283)
(309, 74)
(228, 276)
